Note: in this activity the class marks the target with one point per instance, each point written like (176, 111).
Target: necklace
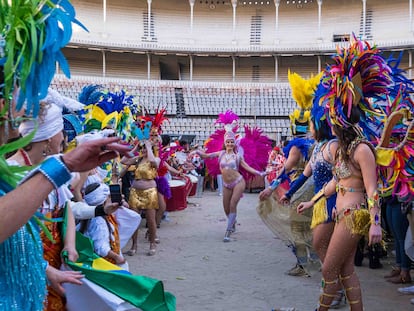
(229, 156)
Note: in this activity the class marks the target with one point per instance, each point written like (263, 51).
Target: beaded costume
(322, 174)
(357, 216)
(147, 198)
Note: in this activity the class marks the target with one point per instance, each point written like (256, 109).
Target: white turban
(52, 121)
(97, 196)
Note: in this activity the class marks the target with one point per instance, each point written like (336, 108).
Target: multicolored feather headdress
(362, 77)
(113, 110)
(359, 77)
(32, 34)
(318, 113)
(156, 120)
(302, 93)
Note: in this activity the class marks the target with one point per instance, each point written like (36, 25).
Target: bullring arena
(199, 58)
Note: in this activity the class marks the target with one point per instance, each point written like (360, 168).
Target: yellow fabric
(145, 171)
(111, 120)
(357, 220)
(320, 213)
(385, 156)
(96, 113)
(102, 264)
(143, 199)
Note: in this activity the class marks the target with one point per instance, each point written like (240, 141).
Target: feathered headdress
(359, 77)
(113, 110)
(362, 77)
(32, 34)
(302, 93)
(156, 120)
(318, 113)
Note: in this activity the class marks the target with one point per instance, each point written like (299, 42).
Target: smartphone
(115, 190)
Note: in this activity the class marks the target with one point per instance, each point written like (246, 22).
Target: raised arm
(250, 169)
(17, 206)
(205, 155)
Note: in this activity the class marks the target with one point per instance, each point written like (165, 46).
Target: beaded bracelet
(274, 184)
(375, 219)
(54, 169)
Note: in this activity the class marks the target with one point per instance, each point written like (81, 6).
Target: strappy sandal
(393, 273)
(156, 240)
(399, 279)
(152, 249)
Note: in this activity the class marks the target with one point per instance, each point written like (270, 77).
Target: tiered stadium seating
(265, 106)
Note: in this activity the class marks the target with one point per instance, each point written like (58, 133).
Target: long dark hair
(346, 135)
(323, 132)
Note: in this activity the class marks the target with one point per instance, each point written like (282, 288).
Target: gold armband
(373, 201)
(319, 195)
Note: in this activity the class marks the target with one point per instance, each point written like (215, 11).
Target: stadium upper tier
(241, 27)
(192, 107)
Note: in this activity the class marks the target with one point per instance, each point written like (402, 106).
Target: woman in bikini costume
(233, 182)
(356, 212)
(320, 167)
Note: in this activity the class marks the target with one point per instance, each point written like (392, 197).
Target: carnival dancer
(163, 187)
(231, 163)
(320, 167)
(294, 227)
(360, 79)
(143, 194)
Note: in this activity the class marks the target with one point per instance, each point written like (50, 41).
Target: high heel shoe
(152, 249)
(156, 240)
(339, 300)
(393, 273)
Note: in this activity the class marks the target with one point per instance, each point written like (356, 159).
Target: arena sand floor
(246, 274)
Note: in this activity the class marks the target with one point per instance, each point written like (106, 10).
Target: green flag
(143, 292)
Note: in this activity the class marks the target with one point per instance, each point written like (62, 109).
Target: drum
(178, 200)
(194, 181)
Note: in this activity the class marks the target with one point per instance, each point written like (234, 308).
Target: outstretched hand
(93, 153)
(57, 277)
(304, 206)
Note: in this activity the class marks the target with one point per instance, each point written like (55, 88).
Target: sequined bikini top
(145, 171)
(231, 161)
(342, 169)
